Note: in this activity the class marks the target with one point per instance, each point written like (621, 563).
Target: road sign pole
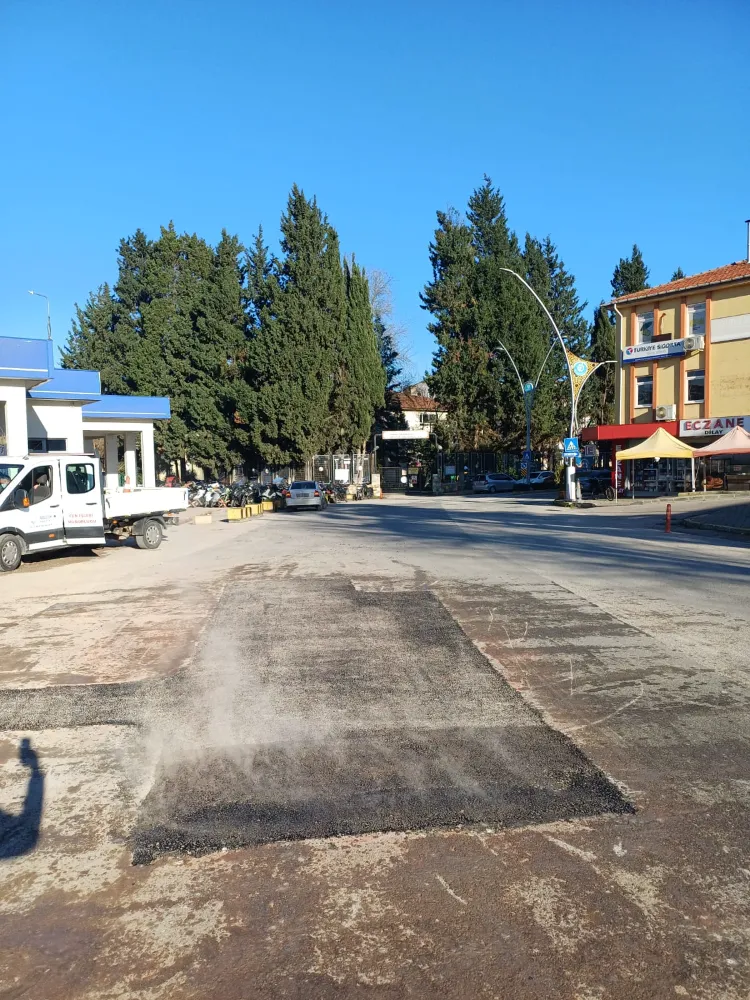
(571, 452)
(528, 398)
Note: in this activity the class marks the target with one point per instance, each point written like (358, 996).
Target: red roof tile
(407, 402)
(718, 276)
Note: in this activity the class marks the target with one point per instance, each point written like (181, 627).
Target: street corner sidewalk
(733, 519)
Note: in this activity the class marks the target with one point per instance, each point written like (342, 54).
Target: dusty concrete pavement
(627, 653)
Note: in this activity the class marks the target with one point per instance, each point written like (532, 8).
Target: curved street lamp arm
(515, 369)
(559, 337)
(551, 348)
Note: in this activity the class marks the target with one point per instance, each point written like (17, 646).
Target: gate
(390, 478)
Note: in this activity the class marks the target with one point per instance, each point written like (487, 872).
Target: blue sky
(603, 124)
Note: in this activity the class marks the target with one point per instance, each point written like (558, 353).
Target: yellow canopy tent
(661, 444)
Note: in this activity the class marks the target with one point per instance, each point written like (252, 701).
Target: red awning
(628, 432)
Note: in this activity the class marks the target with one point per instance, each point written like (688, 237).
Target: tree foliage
(173, 325)
(476, 306)
(631, 274)
(263, 358)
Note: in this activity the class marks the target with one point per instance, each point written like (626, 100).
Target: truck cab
(49, 502)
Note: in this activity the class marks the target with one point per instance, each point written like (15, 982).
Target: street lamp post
(49, 324)
(569, 471)
(528, 389)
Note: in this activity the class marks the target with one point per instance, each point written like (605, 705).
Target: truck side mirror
(21, 500)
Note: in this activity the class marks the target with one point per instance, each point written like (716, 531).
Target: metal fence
(341, 468)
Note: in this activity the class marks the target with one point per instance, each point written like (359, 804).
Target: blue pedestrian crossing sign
(526, 457)
(570, 448)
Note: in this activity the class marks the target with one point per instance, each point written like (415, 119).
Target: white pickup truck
(54, 501)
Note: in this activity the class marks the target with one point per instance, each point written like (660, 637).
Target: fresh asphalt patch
(315, 709)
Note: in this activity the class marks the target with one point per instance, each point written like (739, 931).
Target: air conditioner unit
(695, 343)
(666, 412)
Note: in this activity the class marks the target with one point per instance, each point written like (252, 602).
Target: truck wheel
(10, 553)
(151, 537)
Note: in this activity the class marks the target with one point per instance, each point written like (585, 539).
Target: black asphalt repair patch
(318, 710)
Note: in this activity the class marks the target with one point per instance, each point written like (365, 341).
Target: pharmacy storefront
(672, 475)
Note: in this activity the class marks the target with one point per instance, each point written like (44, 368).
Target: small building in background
(417, 407)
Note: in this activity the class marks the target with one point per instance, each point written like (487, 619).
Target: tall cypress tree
(361, 375)
(299, 312)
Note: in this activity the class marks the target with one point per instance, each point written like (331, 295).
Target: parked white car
(305, 493)
(493, 482)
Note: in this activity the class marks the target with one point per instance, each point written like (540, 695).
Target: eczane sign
(712, 426)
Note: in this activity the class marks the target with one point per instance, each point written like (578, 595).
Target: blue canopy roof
(32, 361)
(128, 408)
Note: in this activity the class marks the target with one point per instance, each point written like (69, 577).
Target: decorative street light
(569, 472)
(528, 389)
(579, 370)
(49, 325)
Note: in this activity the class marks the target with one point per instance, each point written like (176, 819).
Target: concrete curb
(726, 529)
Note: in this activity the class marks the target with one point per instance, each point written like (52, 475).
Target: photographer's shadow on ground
(19, 832)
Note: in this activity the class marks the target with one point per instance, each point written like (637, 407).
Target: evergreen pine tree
(299, 314)
(168, 328)
(676, 275)
(631, 274)
(461, 377)
(600, 389)
(389, 355)
(360, 376)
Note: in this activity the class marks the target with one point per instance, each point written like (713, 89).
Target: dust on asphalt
(378, 714)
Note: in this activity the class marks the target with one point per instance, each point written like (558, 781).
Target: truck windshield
(8, 473)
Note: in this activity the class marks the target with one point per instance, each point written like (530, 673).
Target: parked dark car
(593, 481)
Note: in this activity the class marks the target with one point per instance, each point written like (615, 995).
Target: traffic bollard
(668, 525)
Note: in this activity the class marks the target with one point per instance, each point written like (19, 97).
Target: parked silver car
(305, 493)
(493, 482)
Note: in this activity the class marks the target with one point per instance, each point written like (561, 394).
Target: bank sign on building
(44, 409)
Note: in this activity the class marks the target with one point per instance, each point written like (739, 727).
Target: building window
(697, 320)
(426, 419)
(37, 484)
(645, 327)
(80, 478)
(43, 445)
(644, 391)
(695, 387)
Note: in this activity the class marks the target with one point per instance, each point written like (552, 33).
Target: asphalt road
(470, 747)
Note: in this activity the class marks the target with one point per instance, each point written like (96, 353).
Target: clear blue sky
(602, 124)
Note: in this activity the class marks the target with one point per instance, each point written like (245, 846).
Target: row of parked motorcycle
(241, 494)
(234, 495)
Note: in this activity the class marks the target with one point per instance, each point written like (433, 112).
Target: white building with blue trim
(44, 409)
